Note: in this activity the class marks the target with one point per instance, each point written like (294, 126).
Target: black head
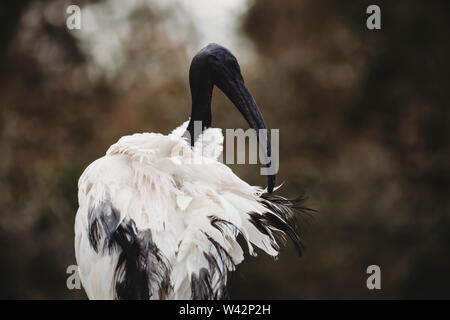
(216, 65)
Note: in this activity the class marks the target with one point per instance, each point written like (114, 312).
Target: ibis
(154, 224)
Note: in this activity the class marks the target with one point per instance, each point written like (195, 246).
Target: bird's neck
(201, 110)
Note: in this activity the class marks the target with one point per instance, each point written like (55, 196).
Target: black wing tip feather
(140, 266)
(282, 216)
(211, 283)
(103, 221)
(202, 287)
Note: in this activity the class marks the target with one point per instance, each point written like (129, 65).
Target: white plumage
(159, 219)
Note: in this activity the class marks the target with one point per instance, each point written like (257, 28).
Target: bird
(152, 224)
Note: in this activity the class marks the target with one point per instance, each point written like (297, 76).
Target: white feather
(153, 180)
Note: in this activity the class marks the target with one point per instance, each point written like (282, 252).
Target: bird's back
(158, 219)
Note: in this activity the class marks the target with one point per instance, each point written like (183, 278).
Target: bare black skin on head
(216, 65)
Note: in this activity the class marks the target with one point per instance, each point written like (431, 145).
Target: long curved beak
(235, 89)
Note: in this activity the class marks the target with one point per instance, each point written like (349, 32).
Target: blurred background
(363, 118)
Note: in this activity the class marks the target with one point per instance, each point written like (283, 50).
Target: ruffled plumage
(158, 219)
